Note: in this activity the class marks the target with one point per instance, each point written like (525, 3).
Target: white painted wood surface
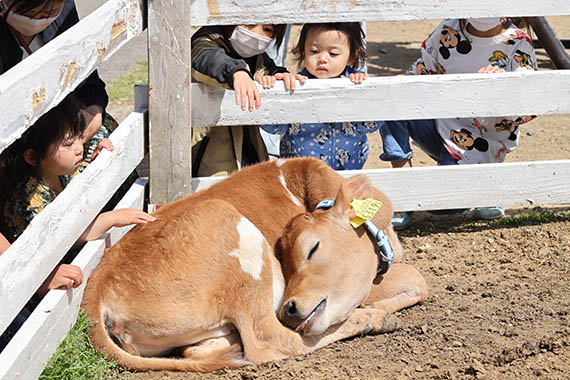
(28, 352)
(231, 12)
(391, 98)
(36, 252)
(458, 186)
(42, 80)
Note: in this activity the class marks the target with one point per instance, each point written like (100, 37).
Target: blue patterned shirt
(342, 145)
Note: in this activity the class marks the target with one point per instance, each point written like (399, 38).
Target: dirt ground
(499, 295)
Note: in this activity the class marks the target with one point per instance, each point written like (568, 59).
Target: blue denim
(396, 140)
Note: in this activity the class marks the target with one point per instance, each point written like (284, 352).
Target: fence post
(552, 45)
(169, 30)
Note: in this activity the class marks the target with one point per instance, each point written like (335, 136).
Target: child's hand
(127, 216)
(246, 91)
(357, 78)
(489, 69)
(267, 81)
(65, 276)
(290, 80)
(103, 144)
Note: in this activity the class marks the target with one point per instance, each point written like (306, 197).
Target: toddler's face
(326, 53)
(64, 158)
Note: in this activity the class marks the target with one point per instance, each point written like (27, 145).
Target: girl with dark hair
(334, 50)
(233, 57)
(39, 165)
(27, 25)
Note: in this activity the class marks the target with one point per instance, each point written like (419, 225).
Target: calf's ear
(357, 187)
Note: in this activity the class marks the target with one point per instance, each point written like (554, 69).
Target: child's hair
(352, 30)
(278, 32)
(62, 122)
(24, 6)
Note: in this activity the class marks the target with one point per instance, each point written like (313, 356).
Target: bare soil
(499, 302)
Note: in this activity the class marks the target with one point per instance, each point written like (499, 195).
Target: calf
(202, 281)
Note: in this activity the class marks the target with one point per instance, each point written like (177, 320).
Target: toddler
(332, 50)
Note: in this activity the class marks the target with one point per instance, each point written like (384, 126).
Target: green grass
(534, 217)
(76, 359)
(121, 89)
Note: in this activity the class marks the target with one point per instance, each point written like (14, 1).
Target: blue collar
(387, 254)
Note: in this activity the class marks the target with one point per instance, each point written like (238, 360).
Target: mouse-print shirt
(451, 49)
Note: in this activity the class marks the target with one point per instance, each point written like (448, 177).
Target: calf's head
(329, 265)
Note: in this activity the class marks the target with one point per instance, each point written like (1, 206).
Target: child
(36, 168)
(232, 57)
(334, 50)
(483, 45)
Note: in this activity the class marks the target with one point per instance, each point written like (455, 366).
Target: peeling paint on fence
(38, 98)
(118, 28)
(68, 74)
(213, 9)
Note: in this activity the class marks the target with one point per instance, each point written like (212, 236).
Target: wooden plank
(169, 103)
(27, 353)
(48, 237)
(389, 98)
(458, 186)
(229, 12)
(42, 80)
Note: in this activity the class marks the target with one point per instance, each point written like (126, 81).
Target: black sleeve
(92, 89)
(271, 67)
(217, 64)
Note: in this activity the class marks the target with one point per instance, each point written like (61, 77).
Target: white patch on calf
(279, 162)
(293, 198)
(250, 251)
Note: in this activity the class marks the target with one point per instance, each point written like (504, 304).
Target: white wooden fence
(41, 81)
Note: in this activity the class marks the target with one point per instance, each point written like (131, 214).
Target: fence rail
(225, 12)
(464, 186)
(391, 98)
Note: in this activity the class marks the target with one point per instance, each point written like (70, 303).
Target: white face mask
(28, 26)
(247, 43)
(484, 24)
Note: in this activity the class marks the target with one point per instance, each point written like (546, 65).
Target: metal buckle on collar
(386, 251)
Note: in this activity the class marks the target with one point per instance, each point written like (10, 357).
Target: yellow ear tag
(365, 210)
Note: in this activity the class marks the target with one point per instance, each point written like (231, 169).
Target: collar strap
(380, 238)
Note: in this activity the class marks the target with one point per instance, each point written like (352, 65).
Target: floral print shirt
(29, 200)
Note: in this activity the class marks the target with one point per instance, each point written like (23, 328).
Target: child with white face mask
(480, 45)
(233, 57)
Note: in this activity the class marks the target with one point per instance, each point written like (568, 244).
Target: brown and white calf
(202, 281)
